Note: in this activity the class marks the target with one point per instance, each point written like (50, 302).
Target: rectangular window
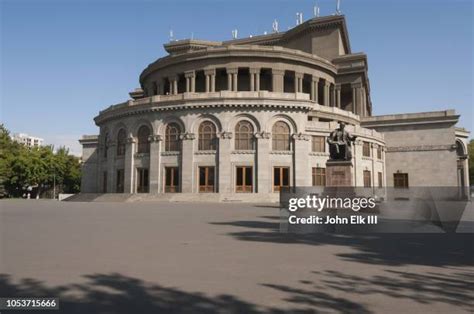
(318, 144)
(171, 179)
(366, 149)
(104, 182)
(206, 179)
(400, 180)
(281, 178)
(380, 178)
(367, 179)
(379, 152)
(120, 180)
(143, 185)
(244, 179)
(319, 176)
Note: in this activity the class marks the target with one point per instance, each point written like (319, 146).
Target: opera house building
(240, 119)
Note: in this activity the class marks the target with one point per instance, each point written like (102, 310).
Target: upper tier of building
(313, 58)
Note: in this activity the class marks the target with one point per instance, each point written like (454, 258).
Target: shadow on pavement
(115, 293)
(431, 249)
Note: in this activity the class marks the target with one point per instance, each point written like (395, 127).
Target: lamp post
(54, 184)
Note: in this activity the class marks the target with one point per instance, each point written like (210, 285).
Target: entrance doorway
(281, 178)
(206, 179)
(171, 179)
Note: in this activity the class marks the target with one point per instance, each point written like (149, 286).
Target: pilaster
(187, 162)
(155, 161)
(224, 169)
(263, 171)
(301, 160)
(129, 172)
(111, 153)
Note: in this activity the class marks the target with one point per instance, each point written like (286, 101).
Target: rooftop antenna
(171, 35)
(234, 33)
(299, 18)
(275, 26)
(316, 11)
(192, 35)
(338, 7)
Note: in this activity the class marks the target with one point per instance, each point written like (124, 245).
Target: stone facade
(426, 146)
(240, 118)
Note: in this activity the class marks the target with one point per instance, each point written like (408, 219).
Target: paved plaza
(160, 257)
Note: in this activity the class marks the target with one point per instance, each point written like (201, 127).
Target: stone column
(171, 85)
(229, 81)
(314, 88)
(232, 78)
(300, 81)
(257, 81)
(112, 151)
(363, 101)
(254, 79)
(277, 80)
(338, 95)
(235, 82)
(208, 83)
(354, 98)
(190, 82)
(302, 174)
(175, 85)
(263, 171)
(296, 83)
(213, 82)
(333, 95)
(187, 162)
(155, 167)
(224, 168)
(210, 80)
(326, 93)
(129, 171)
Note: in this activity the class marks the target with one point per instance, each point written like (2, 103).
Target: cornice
(125, 111)
(420, 148)
(272, 52)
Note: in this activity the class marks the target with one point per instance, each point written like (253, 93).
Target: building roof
(276, 39)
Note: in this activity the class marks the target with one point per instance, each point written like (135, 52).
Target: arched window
(244, 136)
(460, 152)
(106, 144)
(172, 138)
(207, 136)
(281, 136)
(143, 145)
(121, 140)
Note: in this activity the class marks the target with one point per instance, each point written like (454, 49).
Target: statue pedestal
(339, 173)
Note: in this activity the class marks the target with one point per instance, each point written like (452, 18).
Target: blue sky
(63, 61)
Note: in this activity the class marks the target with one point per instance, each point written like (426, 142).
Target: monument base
(339, 173)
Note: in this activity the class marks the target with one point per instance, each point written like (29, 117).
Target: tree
(40, 167)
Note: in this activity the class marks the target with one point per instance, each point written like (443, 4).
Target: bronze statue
(340, 143)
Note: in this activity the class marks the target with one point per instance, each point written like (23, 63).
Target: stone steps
(175, 197)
